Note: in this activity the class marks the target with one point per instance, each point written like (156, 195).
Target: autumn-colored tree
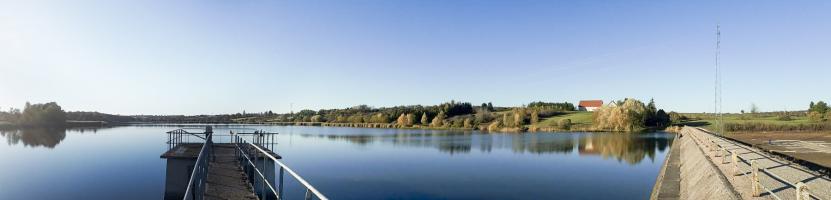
(519, 117)
(402, 120)
(816, 116)
(506, 121)
(379, 118)
(410, 120)
(535, 117)
(424, 119)
(468, 123)
(438, 121)
(316, 118)
(494, 126)
(627, 115)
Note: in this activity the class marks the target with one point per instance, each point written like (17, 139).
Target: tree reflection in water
(629, 148)
(35, 137)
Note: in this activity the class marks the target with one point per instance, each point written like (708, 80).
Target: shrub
(674, 117)
(424, 119)
(784, 116)
(380, 118)
(564, 124)
(506, 121)
(494, 126)
(316, 118)
(468, 123)
(816, 116)
(457, 123)
(483, 117)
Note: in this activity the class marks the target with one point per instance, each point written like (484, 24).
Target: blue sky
(207, 57)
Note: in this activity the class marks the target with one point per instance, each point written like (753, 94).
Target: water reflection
(40, 137)
(35, 137)
(629, 148)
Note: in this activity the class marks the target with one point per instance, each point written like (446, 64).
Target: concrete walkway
(226, 180)
(668, 185)
(786, 174)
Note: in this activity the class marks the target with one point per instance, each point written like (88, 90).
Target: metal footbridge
(236, 165)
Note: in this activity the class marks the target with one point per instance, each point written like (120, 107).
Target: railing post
(735, 163)
(308, 194)
(802, 191)
(754, 179)
(262, 178)
(710, 144)
(280, 186)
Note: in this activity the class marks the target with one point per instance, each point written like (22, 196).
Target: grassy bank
(760, 122)
(579, 121)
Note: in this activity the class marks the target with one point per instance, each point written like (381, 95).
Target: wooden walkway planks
(226, 180)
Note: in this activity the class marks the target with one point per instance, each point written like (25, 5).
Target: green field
(577, 119)
(709, 121)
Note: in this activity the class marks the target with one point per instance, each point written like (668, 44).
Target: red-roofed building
(589, 105)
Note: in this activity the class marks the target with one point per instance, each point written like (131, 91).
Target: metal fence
(254, 160)
(802, 191)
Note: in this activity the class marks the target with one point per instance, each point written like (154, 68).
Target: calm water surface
(348, 163)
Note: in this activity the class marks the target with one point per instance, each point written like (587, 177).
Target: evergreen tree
(650, 118)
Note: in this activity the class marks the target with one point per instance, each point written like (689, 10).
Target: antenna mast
(718, 88)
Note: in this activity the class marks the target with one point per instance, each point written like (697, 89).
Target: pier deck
(226, 180)
(232, 167)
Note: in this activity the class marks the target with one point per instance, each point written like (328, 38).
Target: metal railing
(199, 175)
(722, 151)
(179, 136)
(249, 155)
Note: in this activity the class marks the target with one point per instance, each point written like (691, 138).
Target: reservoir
(347, 163)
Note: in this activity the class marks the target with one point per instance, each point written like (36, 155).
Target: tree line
(35, 115)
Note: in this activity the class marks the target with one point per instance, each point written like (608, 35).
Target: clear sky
(208, 57)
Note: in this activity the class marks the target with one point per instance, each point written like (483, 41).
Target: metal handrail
(277, 192)
(199, 175)
(765, 170)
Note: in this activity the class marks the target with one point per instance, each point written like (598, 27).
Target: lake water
(348, 163)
